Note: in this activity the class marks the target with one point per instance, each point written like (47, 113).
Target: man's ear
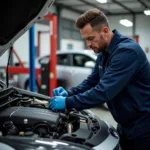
(104, 34)
(105, 30)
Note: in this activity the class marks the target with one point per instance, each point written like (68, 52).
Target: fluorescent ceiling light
(147, 12)
(102, 1)
(126, 23)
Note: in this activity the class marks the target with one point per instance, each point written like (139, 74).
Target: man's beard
(98, 50)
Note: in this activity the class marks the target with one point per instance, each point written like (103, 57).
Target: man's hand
(60, 91)
(57, 103)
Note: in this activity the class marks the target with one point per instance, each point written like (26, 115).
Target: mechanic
(121, 78)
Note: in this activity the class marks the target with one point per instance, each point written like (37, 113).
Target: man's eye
(90, 38)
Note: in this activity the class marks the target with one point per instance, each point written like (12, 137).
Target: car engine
(26, 114)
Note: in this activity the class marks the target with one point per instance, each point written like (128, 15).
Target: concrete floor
(105, 115)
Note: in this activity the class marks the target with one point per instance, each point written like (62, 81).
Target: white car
(72, 68)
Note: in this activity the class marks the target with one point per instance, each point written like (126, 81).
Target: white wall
(142, 29)
(69, 14)
(4, 59)
(114, 24)
(22, 44)
(76, 45)
(44, 38)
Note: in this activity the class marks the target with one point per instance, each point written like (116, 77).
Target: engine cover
(28, 117)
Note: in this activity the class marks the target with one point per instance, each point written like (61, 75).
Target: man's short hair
(94, 17)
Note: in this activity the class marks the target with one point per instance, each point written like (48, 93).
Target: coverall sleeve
(88, 83)
(123, 66)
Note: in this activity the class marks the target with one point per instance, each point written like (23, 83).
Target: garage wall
(114, 24)
(22, 47)
(4, 59)
(142, 29)
(68, 44)
(69, 14)
(22, 44)
(44, 38)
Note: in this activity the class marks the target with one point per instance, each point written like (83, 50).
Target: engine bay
(26, 114)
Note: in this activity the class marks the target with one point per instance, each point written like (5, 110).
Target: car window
(79, 60)
(63, 59)
(44, 60)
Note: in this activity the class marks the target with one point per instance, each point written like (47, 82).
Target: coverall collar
(114, 41)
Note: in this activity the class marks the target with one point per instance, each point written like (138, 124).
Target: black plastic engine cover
(27, 116)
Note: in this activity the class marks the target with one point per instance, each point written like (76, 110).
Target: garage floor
(105, 115)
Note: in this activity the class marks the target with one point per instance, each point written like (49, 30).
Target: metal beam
(97, 3)
(134, 25)
(96, 6)
(80, 12)
(123, 6)
(141, 2)
(120, 14)
(68, 7)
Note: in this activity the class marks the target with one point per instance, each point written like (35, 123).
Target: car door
(63, 65)
(78, 71)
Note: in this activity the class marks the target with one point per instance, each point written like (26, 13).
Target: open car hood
(17, 16)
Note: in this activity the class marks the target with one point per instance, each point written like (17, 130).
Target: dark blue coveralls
(121, 78)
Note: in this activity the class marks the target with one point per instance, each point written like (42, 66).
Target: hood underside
(17, 16)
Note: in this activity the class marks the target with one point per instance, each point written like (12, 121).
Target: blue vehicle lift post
(32, 77)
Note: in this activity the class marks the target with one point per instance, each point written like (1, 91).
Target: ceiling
(112, 7)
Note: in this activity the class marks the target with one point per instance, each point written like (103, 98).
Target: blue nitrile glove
(57, 103)
(60, 91)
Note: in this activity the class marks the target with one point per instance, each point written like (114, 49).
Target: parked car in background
(73, 66)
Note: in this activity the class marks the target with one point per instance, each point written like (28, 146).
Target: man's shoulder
(130, 44)
(131, 47)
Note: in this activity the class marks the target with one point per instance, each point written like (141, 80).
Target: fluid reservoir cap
(21, 133)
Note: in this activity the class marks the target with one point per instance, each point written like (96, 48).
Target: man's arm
(123, 67)
(88, 83)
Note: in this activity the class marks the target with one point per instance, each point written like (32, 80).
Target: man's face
(95, 39)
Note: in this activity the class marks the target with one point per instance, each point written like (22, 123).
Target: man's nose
(88, 44)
